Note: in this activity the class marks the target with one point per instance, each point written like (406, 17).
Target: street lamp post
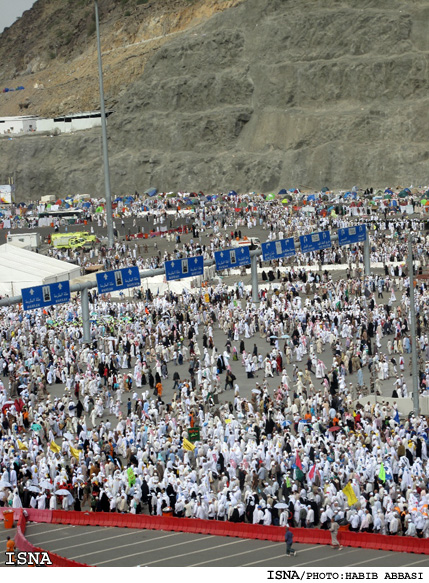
(414, 340)
(108, 196)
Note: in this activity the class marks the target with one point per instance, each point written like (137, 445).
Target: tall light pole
(108, 196)
(414, 339)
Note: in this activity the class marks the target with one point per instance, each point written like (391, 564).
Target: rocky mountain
(245, 94)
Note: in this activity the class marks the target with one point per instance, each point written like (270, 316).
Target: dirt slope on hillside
(266, 94)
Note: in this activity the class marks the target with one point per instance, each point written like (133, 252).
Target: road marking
(225, 557)
(278, 556)
(130, 544)
(416, 562)
(100, 540)
(369, 560)
(195, 552)
(67, 537)
(324, 558)
(47, 531)
(156, 550)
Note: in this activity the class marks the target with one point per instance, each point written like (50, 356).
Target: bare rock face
(267, 94)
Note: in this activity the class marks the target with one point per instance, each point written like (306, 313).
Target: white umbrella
(68, 435)
(33, 488)
(5, 485)
(280, 505)
(46, 485)
(62, 492)
(256, 391)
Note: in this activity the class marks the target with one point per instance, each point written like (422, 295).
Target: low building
(64, 124)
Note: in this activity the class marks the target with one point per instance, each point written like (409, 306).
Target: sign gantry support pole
(254, 272)
(367, 255)
(414, 339)
(85, 317)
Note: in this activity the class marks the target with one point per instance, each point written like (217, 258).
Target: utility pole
(254, 272)
(86, 339)
(414, 340)
(108, 196)
(367, 255)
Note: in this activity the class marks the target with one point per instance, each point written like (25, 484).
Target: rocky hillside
(51, 49)
(250, 94)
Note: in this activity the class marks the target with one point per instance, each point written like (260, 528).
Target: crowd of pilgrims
(214, 227)
(279, 455)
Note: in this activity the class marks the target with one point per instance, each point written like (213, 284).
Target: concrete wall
(405, 406)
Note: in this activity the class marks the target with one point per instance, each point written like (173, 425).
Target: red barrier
(34, 515)
(219, 528)
(59, 517)
(24, 545)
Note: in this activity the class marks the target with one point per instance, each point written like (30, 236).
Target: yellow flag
(22, 445)
(188, 445)
(349, 492)
(54, 447)
(74, 452)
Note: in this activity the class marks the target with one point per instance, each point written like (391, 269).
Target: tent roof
(20, 268)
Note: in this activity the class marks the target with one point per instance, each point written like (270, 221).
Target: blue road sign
(180, 268)
(277, 249)
(315, 241)
(352, 235)
(109, 281)
(41, 296)
(230, 258)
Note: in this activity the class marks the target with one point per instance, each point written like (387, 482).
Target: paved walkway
(119, 547)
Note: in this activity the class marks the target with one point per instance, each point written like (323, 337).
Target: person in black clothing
(79, 409)
(151, 380)
(176, 379)
(235, 517)
(103, 504)
(221, 462)
(145, 492)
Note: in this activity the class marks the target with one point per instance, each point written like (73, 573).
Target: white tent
(20, 268)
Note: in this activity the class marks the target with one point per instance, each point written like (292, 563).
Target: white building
(64, 124)
(18, 125)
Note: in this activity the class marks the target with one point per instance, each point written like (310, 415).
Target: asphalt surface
(119, 547)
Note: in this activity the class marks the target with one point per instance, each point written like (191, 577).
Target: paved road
(118, 547)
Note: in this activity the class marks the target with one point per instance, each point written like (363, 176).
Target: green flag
(131, 477)
(382, 474)
(299, 475)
